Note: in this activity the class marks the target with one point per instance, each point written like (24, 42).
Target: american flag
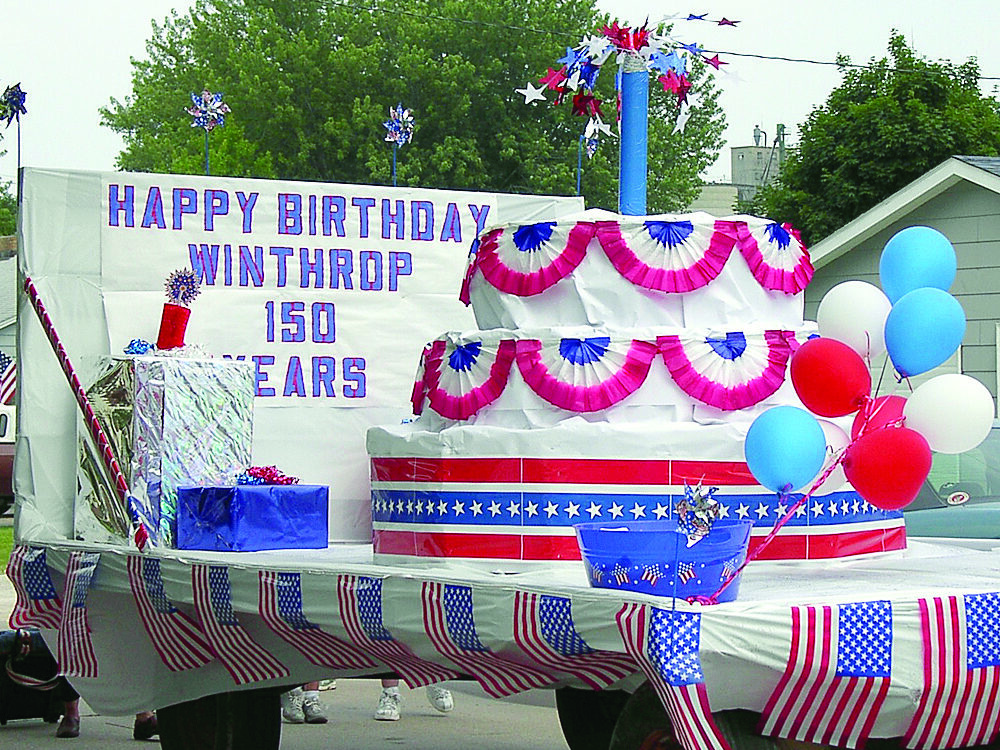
(449, 622)
(75, 649)
(38, 605)
(8, 379)
(837, 674)
(665, 644)
(544, 629)
(961, 653)
(177, 638)
(729, 568)
(281, 609)
(360, 600)
(244, 659)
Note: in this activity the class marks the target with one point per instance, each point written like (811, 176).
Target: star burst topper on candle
(697, 511)
(182, 287)
(12, 104)
(653, 49)
(399, 126)
(208, 110)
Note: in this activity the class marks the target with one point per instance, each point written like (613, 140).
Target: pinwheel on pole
(11, 109)
(400, 132)
(209, 112)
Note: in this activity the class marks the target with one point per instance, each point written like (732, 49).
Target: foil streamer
(172, 422)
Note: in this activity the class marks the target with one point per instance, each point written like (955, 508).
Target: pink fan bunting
(776, 255)
(729, 372)
(462, 378)
(527, 260)
(419, 394)
(667, 256)
(585, 375)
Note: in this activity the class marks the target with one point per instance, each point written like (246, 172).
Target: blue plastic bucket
(653, 557)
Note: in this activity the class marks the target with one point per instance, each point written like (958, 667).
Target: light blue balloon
(914, 258)
(785, 448)
(923, 329)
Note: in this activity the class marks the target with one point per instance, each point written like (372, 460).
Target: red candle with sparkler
(182, 287)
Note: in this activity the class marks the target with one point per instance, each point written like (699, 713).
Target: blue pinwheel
(399, 129)
(209, 112)
(12, 104)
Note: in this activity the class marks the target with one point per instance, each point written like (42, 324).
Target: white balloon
(836, 442)
(854, 313)
(953, 412)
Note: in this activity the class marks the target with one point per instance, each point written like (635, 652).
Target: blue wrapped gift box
(248, 518)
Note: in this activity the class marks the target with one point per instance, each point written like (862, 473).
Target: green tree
(310, 83)
(8, 209)
(884, 126)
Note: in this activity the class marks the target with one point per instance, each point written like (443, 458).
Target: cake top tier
(598, 268)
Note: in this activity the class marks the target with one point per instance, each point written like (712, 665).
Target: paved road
(523, 723)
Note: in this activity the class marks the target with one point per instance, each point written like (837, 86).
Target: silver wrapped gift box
(171, 422)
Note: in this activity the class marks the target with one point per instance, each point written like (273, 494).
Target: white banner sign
(331, 290)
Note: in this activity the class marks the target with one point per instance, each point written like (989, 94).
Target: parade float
(194, 515)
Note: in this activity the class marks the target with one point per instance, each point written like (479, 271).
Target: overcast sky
(71, 57)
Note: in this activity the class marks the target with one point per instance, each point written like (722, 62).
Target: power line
(396, 10)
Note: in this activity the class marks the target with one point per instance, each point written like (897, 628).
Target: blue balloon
(914, 258)
(785, 448)
(922, 330)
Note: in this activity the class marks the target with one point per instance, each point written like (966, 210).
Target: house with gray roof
(961, 199)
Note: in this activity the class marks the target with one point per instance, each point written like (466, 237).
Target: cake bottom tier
(479, 494)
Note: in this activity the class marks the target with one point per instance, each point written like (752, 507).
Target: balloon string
(714, 598)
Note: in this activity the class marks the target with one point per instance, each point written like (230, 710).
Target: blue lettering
(185, 201)
(309, 267)
(153, 215)
(247, 202)
(452, 229)
(371, 271)
(343, 262)
(324, 324)
(251, 268)
(216, 204)
(334, 210)
(422, 220)
(363, 204)
(479, 213)
(204, 261)
(261, 361)
(289, 213)
(394, 218)
(323, 375)
(400, 264)
(281, 254)
(294, 380)
(354, 377)
(118, 205)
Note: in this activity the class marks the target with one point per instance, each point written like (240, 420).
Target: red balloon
(878, 413)
(829, 377)
(887, 467)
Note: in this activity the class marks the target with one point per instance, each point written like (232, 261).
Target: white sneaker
(327, 684)
(440, 698)
(312, 709)
(388, 706)
(291, 706)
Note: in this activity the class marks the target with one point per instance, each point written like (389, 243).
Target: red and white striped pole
(96, 431)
